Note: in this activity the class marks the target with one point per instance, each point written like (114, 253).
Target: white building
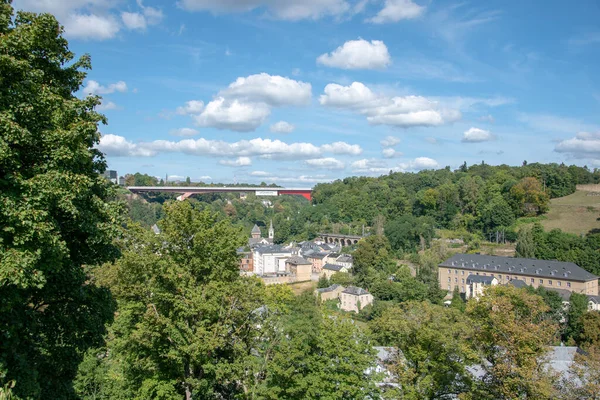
(476, 283)
(270, 259)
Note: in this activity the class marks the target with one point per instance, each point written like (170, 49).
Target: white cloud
(260, 173)
(238, 162)
(282, 127)
(401, 111)
(326, 163)
(93, 88)
(90, 26)
(118, 146)
(583, 145)
(233, 115)
(301, 179)
(358, 54)
(191, 107)
(390, 141)
(291, 10)
(487, 118)
(205, 178)
(372, 165)
(274, 90)
(396, 10)
(265, 148)
(476, 135)
(133, 20)
(342, 148)
(106, 105)
(390, 153)
(183, 132)
(419, 164)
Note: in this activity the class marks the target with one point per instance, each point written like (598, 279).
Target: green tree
(529, 197)
(54, 209)
(512, 335)
(372, 258)
(525, 243)
(578, 306)
(590, 332)
(457, 301)
(434, 345)
(323, 282)
(187, 321)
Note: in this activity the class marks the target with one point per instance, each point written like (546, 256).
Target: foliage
(457, 301)
(512, 335)
(434, 350)
(342, 278)
(55, 215)
(590, 329)
(372, 257)
(583, 379)
(323, 282)
(529, 197)
(578, 306)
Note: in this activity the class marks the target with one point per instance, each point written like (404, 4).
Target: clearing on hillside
(577, 213)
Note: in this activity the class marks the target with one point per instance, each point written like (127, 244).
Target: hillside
(576, 213)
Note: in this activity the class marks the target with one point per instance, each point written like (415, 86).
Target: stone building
(330, 269)
(551, 274)
(355, 299)
(476, 284)
(330, 293)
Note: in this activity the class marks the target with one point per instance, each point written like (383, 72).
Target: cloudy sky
(304, 91)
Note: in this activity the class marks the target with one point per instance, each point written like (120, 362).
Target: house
(330, 269)
(550, 274)
(593, 303)
(270, 259)
(299, 267)
(355, 299)
(329, 293)
(346, 260)
(256, 238)
(316, 260)
(246, 260)
(476, 283)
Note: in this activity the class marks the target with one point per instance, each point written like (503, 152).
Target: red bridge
(191, 190)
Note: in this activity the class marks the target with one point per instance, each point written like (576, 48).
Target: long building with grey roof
(548, 273)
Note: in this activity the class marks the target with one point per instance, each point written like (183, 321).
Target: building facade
(270, 259)
(551, 274)
(355, 299)
(332, 292)
(330, 269)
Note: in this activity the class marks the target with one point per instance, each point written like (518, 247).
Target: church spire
(271, 231)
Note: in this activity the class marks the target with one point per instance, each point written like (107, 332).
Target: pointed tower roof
(256, 229)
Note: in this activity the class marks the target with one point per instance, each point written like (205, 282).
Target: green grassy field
(577, 213)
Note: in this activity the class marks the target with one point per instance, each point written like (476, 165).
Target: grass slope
(577, 213)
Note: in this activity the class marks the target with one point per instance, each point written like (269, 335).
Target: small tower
(255, 232)
(271, 231)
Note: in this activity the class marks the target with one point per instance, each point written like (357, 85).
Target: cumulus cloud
(106, 105)
(118, 146)
(273, 90)
(265, 148)
(282, 127)
(371, 165)
(233, 115)
(358, 54)
(133, 20)
(238, 162)
(93, 88)
(291, 10)
(396, 10)
(91, 26)
(260, 173)
(379, 109)
(246, 103)
(476, 135)
(390, 141)
(183, 132)
(583, 145)
(191, 107)
(390, 153)
(419, 164)
(326, 163)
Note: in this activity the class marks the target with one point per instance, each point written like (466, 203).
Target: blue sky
(298, 92)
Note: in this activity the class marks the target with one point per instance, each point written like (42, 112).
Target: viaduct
(191, 190)
(344, 240)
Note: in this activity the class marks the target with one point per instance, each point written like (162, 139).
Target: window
(532, 280)
(477, 273)
(449, 287)
(559, 283)
(456, 271)
(449, 279)
(541, 281)
(484, 274)
(568, 284)
(463, 280)
(449, 271)
(462, 272)
(463, 289)
(499, 276)
(550, 283)
(456, 280)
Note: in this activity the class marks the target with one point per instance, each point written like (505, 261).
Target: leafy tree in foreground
(434, 342)
(512, 334)
(54, 214)
(578, 306)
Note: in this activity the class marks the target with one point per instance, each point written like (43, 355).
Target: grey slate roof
(329, 289)
(355, 291)
(297, 260)
(272, 248)
(519, 266)
(255, 241)
(345, 258)
(319, 255)
(333, 267)
(256, 229)
(486, 280)
(517, 283)
(594, 299)
(564, 294)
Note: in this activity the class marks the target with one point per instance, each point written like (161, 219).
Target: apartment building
(455, 271)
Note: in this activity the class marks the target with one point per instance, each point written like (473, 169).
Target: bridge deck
(206, 189)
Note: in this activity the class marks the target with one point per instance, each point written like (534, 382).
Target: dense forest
(94, 305)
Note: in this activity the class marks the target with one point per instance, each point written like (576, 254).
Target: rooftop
(329, 289)
(271, 248)
(355, 291)
(333, 267)
(486, 280)
(519, 266)
(297, 260)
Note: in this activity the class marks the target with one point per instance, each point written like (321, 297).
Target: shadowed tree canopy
(54, 214)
